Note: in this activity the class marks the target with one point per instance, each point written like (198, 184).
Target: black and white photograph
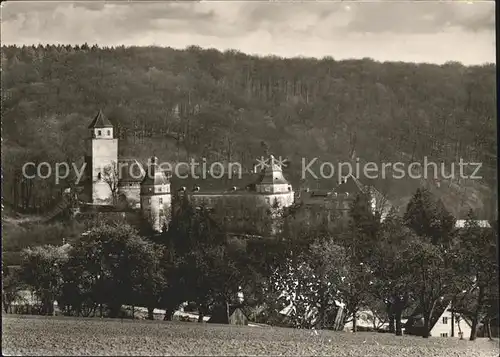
(249, 178)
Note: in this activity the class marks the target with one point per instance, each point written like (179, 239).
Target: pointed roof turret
(100, 121)
(273, 173)
(154, 176)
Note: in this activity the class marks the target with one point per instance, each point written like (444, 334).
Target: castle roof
(154, 176)
(100, 121)
(272, 174)
(130, 171)
(210, 184)
(230, 182)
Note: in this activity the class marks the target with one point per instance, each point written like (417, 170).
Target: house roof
(320, 193)
(100, 121)
(345, 191)
(316, 197)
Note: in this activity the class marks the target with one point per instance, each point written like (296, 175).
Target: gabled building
(331, 207)
(445, 322)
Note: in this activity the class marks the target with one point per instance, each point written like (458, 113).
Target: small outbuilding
(236, 316)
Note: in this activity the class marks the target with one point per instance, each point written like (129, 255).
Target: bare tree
(110, 175)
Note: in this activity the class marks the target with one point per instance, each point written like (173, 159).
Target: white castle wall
(156, 203)
(103, 154)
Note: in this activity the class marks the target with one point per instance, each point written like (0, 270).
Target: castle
(125, 184)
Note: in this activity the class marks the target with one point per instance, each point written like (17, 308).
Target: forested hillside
(197, 103)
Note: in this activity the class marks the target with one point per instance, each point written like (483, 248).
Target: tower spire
(102, 152)
(100, 121)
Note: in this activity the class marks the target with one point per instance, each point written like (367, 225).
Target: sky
(418, 31)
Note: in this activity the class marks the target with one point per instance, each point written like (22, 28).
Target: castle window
(99, 176)
(445, 320)
(98, 133)
(109, 132)
(161, 201)
(445, 334)
(130, 184)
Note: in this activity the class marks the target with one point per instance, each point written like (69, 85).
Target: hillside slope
(193, 103)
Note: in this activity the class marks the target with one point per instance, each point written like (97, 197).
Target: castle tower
(101, 160)
(156, 199)
(273, 186)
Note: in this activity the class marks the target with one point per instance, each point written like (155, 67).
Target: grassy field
(30, 335)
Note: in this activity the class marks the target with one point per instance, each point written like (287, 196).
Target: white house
(451, 324)
(482, 223)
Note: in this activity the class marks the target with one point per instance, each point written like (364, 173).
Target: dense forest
(193, 103)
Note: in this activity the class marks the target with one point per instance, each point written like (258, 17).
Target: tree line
(196, 103)
(413, 261)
